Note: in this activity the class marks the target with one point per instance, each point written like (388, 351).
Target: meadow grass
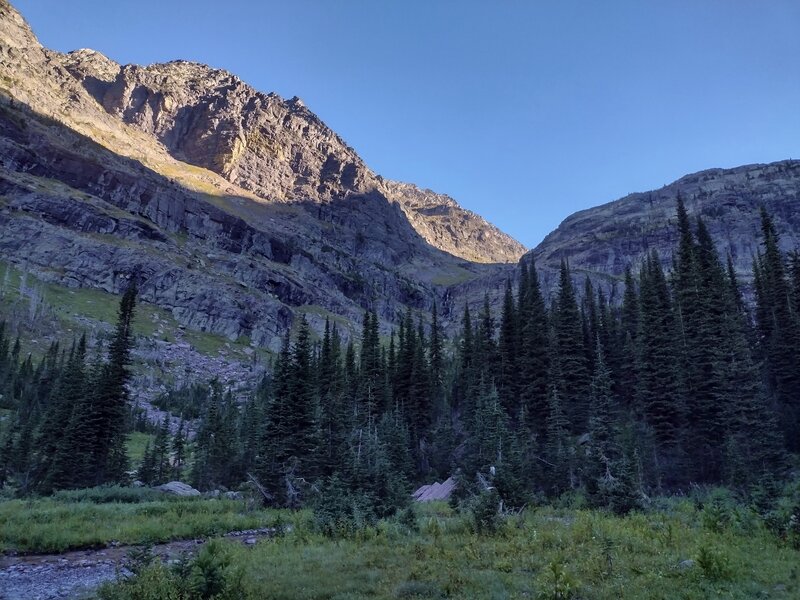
(62, 523)
(543, 553)
(136, 444)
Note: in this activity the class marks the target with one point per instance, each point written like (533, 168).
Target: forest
(645, 447)
(682, 384)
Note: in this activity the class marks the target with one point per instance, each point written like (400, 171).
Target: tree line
(680, 383)
(70, 418)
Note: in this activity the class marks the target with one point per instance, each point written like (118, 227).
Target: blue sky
(524, 111)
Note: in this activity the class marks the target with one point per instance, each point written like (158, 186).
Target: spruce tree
(779, 330)
(179, 451)
(508, 356)
(571, 354)
(658, 389)
(558, 449)
(106, 414)
(534, 353)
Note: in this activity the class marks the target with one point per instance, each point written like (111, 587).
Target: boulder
(435, 491)
(178, 488)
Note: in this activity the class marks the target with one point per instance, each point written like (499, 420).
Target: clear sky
(524, 111)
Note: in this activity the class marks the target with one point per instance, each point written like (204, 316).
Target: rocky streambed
(75, 575)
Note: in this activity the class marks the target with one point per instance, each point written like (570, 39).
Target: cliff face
(275, 148)
(238, 210)
(602, 241)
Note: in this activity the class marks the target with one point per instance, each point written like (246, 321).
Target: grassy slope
(72, 308)
(135, 446)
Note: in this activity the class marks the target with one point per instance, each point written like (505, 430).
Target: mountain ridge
(603, 240)
(242, 211)
(220, 257)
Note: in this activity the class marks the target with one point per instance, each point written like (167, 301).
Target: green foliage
(211, 574)
(557, 583)
(549, 553)
(208, 576)
(417, 589)
(486, 512)
(714, 563)
(784, 516)
(112, 493)
(583, 402)
(408, 518)
(340, 512)
(49, 525)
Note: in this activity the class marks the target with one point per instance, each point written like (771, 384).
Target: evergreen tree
(658, 390)
(179, 451)
(56, 450)
(147, 470)
(161, 455)
(106, 412)
(534, 353)
(571, 354)
(778, 330)
(508, 355)
(558, 449)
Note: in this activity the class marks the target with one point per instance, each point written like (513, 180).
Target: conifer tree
(778, 328)
(534, 353)
(161, 456)
(147, 470)
(658, 391)
(604, 452)
(179, 451)
(571, 354)
(106, 414)
(558, 478)
(56, 451)
(508, 355)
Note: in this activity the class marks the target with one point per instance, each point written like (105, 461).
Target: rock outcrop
(178, 488)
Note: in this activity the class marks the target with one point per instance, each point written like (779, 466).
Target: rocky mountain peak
(14, 29)
(274, 149)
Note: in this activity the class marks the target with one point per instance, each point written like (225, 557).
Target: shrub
(784, 518)
(417, 589)
(408, 518)
(156, 582)
(206, 576)
(341, 512)
(718, 508)
(212, 576)
(557, 583)
(486, 512)
(112, 493)
(714, 563)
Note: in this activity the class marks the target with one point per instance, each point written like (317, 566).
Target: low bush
(209, 575)
(340, 513)
(714, 563)
(556, 583)
(52, 525)
(784, 517)
(115, 493)
(486, 512)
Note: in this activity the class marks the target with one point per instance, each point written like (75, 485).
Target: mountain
(601, 241)
(238, 210)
